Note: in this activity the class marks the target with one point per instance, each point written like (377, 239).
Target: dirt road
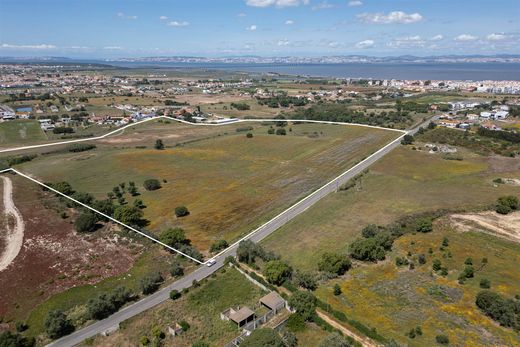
(363, 340)
(12, 234)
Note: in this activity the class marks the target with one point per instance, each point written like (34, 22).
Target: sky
(219, 28)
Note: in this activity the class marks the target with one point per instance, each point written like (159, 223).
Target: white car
(211, 262)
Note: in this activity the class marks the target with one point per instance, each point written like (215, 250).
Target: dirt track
(12, 234)
(505, 226)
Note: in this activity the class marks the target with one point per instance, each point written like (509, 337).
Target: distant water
(407, 71)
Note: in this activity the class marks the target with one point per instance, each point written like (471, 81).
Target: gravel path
(13, 236)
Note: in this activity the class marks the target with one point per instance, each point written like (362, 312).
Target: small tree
(407, 140)
(304, 303)
(334, 263)
(485, 283)
(176, 269)
(181, 211)
(158, 144)
(281, 131)
(337, 289)
(150, 283)
(249, 135)
(424, 225)
(218, 246)
(174, 294)
(436, 265)
(442, 339)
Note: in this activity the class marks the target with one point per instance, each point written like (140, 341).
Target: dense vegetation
(505, 311)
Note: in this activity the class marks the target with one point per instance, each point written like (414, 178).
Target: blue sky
(128, 28)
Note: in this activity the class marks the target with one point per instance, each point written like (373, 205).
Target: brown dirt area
(505, 226)
(54, 257)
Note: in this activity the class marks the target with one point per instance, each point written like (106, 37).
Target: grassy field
(395, 300)
(200, 307)
(229, 183)
(21, 132)
(402, 183)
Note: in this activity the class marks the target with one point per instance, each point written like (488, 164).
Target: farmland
(230, 183)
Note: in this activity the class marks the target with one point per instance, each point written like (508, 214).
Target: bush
(504, 311)
(485, 283)
(305, 280)
(270, 131)
(174, 237)
(128, 214)
(152, 184)
(263, 337)
(184, 325)
(367, 249)
(337, 289)
(57, 325)
(334, 340)
(424, 225)
(334, 263)
(295, 323)
(151, 283)
(218, 246)
(158, 144)
(174, 294)
(281, 131)
(407, 140)
(9, 339)
(63, 130)
(506, 204)
(176, 269)
(181, 211)
(442, 339)
(80, 147)
(249, 135)
(86, 222)
(436, 265)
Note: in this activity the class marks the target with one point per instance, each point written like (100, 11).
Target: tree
(421, 258)
(100, 307)
(304, 303)
(9, 339)
(370, 231)
(445, 242)
(181, 211)
(152, 184)
(57, 325)
(218, 246)
(158, 144)
(62, 187)
(367, 249)
(337, 289)
(173, 237)
(506, 204)
(128, 215)
(249, 135)
(334, 340)
(277, 272)
(86, 222)
(424, 225)
(334, 263)
(281, 131)
(263, 337)
(436, 265)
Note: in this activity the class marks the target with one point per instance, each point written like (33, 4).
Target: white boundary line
(403, 132)
(100, 213)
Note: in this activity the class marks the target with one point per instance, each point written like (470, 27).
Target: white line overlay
(403, 133)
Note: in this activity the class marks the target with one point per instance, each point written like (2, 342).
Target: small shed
(242, 316)
(273, 301)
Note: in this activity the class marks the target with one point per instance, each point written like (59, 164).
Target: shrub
(174, 294)
(151, 283)
(158, 144)
(506, 204)
(295, 323)
(249, 135)
(181, 211)
(334, 263)
(80, 147)
(305, 280)
(270, 131)
(367, 249)
(485, 283)
(424, 225)
(184, 325)
(57, 325)
(442, 339)
(218, 246)
(263, 337)
(281, 131)
(9, 339)
(436, 265)
(337, 289)
(128, 214)
(334, 340)
(152, 184)
(407, 140)
(86, 222)
(176, 269)
(174, 237)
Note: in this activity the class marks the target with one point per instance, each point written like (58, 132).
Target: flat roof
(272, 300)
(241, 315)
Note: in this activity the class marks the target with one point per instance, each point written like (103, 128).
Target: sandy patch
(506, 226)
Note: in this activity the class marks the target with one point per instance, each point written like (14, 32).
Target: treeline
(175, 103)
(282, 101)
(337, 112)
(241, 106)
(411, 106)
(510, 136)
(80, 147)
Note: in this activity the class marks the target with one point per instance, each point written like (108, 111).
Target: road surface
(204, 271)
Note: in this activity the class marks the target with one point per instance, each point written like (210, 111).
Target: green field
(402, 183)
(21, 132)
(229, 183)
(200, 307)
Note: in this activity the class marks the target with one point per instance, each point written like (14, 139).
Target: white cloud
(251, 28)
(163, 18)
(241, 14)
(277, 3)
(354, 3)
(394, 17)
(323, 6)
(465, 37)
(113, 48)
(365, 44)
(39, 46)
(437, 38)
(124, 16)
(289, 22)
(176, 23)
(496, 37)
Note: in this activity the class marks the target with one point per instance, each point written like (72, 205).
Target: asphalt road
(204, 271)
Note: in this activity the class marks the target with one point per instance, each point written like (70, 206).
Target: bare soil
(506, 226)
(54, 257)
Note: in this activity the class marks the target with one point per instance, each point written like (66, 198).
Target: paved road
(205, 271)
